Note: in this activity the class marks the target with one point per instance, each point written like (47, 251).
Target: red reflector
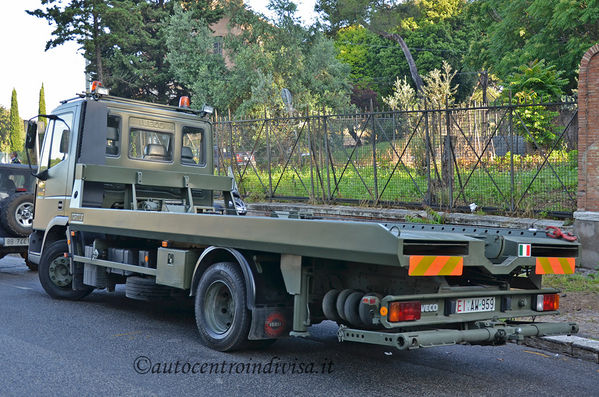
(404, 311)
(550, 302)
(21, 189)
(184, 102)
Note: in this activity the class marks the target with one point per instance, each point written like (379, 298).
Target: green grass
(573, 282)
(408, 185)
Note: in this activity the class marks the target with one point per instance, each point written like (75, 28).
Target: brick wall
(588, 131)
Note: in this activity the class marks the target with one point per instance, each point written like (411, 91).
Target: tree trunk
(406, 51)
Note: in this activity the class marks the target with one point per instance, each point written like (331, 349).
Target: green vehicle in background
(126, 195)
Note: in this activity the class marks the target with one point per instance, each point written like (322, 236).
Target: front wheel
(55, 274)
(221, 312)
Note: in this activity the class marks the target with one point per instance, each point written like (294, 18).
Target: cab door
(51, 195)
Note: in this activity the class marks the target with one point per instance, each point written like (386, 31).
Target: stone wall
(587, 217)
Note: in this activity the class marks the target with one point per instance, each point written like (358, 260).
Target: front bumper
(486, 333)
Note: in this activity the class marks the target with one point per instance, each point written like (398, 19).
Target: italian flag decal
(524, 250)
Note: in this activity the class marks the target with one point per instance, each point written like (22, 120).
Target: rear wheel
(55, 275)
(221, 312)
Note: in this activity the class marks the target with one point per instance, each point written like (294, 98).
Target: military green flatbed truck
(126, 195)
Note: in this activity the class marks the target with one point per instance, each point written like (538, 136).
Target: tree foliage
(517, 32)
(4, 130)
(376, 62)
(124, 40)
(264, 59)
(16, 135)
(537, 82)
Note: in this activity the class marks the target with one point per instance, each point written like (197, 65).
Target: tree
(536, 82)
(4, 130)
(16, 135)
(264, 59)
(41, 108)
(81, 21)
(432, 31)
(517, 32)
(124, 40)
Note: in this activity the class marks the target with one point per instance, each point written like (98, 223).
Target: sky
(25, 65)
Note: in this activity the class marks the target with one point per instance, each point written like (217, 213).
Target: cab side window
(192, 149)
(56, 141)
(113, 136)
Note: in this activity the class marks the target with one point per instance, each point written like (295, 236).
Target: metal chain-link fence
(510, 158)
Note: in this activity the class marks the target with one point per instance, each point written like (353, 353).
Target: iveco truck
(126, 194)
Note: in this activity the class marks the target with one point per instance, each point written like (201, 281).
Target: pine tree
(17, 139)
(41, 108)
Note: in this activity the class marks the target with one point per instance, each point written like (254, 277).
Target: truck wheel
(340, 304)
(54, 273)
(351, 308)
(16, 213)
(221, 312)
(329, 305)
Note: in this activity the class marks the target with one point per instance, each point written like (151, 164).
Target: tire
(340, 304)
(54, 273)
(351, 308)
(16, 213)
(32, 266)
(146, 289)
(364, 310)
(329, 305)
(221, 312)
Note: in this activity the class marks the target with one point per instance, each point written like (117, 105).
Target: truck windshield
(51, 153)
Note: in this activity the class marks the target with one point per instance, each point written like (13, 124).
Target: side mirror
(64, 142)
(31, 133)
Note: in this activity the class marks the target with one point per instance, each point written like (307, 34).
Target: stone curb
(574, 346)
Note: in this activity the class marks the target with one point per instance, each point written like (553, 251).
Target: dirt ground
(581, 308)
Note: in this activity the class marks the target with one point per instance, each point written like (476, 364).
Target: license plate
(474, 305)
(14, 241)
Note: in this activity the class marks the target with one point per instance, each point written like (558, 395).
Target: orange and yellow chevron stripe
(555, 265)
(436, 265)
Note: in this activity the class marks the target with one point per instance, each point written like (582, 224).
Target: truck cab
(148, 141)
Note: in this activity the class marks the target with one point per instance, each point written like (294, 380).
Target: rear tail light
(21, 189)
(404, 311)
(547, 303)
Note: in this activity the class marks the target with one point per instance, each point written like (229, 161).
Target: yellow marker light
(383, 311)
(164, 244)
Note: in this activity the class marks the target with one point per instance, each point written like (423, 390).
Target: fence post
(428, 156)
(268, 156)
(447, 164)
(308, 121)
(511, 131)
(374, 170)
(326, 150)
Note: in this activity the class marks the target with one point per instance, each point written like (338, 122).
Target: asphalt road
(110, 345)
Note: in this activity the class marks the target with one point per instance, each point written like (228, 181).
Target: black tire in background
(221, 312)
(16, 213)
(54, 273)
(146, 289)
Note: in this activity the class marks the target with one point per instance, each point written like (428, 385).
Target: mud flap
(271, 322)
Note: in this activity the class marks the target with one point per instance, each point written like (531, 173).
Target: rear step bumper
(496, 334)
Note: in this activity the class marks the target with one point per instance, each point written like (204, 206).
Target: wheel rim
(24, 215)
(59, 272)
(219, 308)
